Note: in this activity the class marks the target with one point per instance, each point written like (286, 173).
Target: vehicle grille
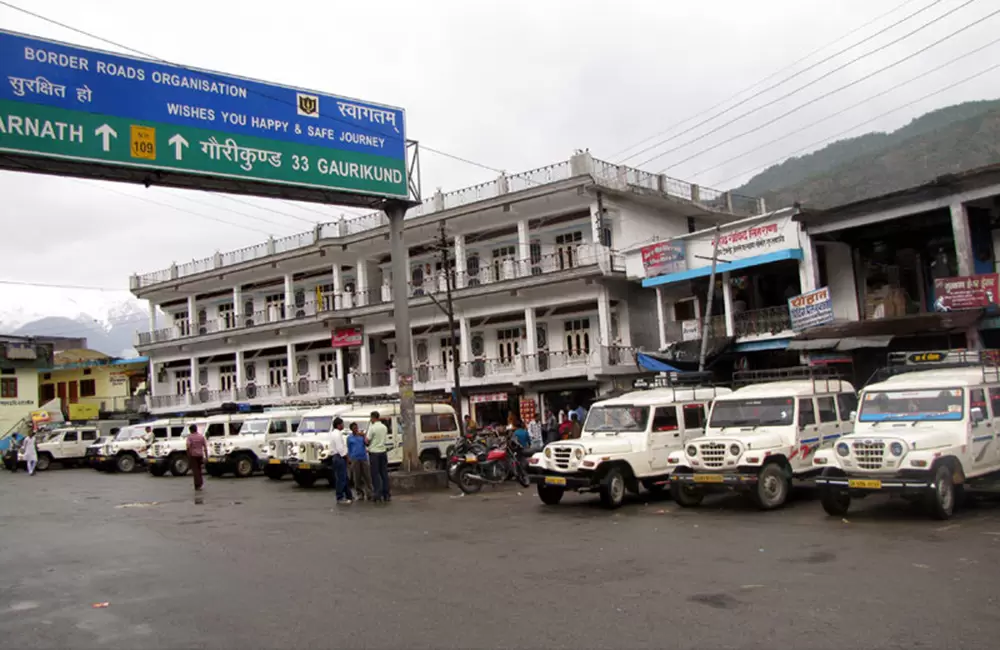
(217, 449)
(311, 453)
(285, 449)
(562, 455)
(869, 454)
(713, 454)
(92, 451)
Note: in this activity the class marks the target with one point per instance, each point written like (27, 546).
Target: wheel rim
(945, 493)
(465, 479)
(126, 464)
(429, 464)
(244, 466)
(772, 487)
(617, 488)
(43, 463)
(181, 466)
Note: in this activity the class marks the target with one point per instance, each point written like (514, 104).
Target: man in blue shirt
(522, 435)
(357, 458)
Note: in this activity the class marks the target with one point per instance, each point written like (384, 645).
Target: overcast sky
(510, 84)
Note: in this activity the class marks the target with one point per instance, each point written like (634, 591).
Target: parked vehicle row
(928, 432)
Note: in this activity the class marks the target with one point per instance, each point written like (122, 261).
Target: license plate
(555, 480)
(305, 466)
(470, 458)
(868, 484)
(708, 478)
(101, 459)
(214, 460)
(274, 461)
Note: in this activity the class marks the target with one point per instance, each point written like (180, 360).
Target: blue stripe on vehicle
(806, 442)
(982, 438)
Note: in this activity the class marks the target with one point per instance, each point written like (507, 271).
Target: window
(578, 336)
(438, 423)
(48, 392)
(227, 377)
(278, 426)
(665, 418)
(501, 255)
(566, 248)
(88, 388)
(509, 344)
(215, 430)
(182, 382)
(977, 399)
(295, 426)
(807, 414)
(277, 371)
(182, 323)
(8, 387)
(694, 416)
(535, 253)
(87, 372)
(226, 316)
(606, 236)
(71, 436)
(90, 435)
(995, 399)
(327, 366)
(160, 433)
(827, 409)
(177, 432)
(274, 305)
(848, 403)
(446, 355)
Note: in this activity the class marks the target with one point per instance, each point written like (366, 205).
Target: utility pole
(706, 326)
(450, 312)
(396, 211)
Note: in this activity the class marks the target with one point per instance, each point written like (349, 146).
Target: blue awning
(723, 267)
(647, 362)
(757, 346)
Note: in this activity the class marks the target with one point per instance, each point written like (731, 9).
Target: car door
(829, 421)
(664, 435)
(983, 433)
(87, 438)
(809, 436)
(69, 447)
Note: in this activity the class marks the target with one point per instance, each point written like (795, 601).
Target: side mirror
(977, 415)
(853, 416)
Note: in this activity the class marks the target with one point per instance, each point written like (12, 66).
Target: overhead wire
(809, 84)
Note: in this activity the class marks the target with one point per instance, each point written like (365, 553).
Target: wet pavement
(258, 564)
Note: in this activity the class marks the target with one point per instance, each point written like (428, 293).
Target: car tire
(274, 473)
(773, 487)
(179, 465)
(125, 463)
(214, 471)
(686, 496)
(43, 463)
(244, 466)
(836, 502)
(158, 470)
(550, 495)
(305, 480)
(429, 462)
(613, 489)
(940, 498)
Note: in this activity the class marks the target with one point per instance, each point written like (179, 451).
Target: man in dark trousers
(378, 452)
(197, 449)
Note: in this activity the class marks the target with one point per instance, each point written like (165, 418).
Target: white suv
(249, 450)
(931, 433)
(125, 451)
(307, 454)
(68, 445)
(763, 435)
(626, 442)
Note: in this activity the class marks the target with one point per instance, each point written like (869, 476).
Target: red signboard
(966, 292)
(346, 337)
(664, 257)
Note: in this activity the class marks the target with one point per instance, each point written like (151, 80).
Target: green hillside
(943, 141)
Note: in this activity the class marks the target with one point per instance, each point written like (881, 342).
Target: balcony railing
(618, 177)
(759, 322)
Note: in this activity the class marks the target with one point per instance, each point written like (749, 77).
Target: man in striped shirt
(197, 449)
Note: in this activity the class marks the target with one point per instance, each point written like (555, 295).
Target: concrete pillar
(338, 360)
(624, 325)
(193, 384)
(364, 355)
(192, 315)
(401, 318)
(661, 318)
(338, 288)
(461, 264)
(240, 375)
(727, 302)
(530, 339)
(523, 249)
(151, 383)
(238, 306)
(808, 272)
(290, 355)
(152, 316)
(604, 316)
(465, 347)
(963, 239)
(581, 163)
(289, 296)
(363, 285)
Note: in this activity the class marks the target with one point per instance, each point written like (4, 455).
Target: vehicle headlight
(302, 449)
(734, 450)
(843, 449)
(548, 452)
(692, 450)
(896, 448)
(273, 446)
(578, 453)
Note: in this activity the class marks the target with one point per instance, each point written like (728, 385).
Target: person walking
(535, 433)
(377, 452)
(550, 431)
(360, 470)
(30, 452)
(522, 436)
(338, 462)
(197, 450)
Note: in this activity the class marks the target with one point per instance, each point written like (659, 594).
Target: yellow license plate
(470, 458)
(214, 460)
(274, 461)
(555, 480)
(868, 484)
(101, 459)
(305, 466)
(708, 478)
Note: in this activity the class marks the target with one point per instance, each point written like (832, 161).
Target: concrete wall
(841, 280)
(12, 409)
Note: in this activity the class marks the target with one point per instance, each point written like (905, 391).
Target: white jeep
(626, 442)
(763, 435)
(67, 445)
(168, 452)
(171, 453)
(307, 454)
(124, 452)
(248, 451)
(930, 432)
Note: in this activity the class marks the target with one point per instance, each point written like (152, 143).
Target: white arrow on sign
(106, 133)
(179, 143)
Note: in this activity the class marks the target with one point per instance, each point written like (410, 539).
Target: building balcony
(756, 324)
(493, 276)
(252, 393)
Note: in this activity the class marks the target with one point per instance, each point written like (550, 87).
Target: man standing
(30, 452)
(535, 433)
(338, 462)
(377, 434)
(197, 449)
(357, 456)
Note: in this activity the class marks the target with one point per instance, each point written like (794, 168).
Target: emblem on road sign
(308, 105)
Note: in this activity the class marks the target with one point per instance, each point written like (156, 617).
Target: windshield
(131, 434)
(316, 424)
(617, 418)
(768, 411)
(912, 405)
(254, 427)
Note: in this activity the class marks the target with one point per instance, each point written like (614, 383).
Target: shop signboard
(664, 257)
(811, 309)
(691, 330)
(346, 337)
(485, 398)
(741, 242)
(965, 292)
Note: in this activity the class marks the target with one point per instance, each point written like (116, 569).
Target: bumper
(568, 481)
(275, 463)
(875, 485)
(158, 463)
(220, 462)
(731, 480)
(310, 467)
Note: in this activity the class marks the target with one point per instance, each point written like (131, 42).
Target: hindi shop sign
(742, 242)
(965, 292)
(65, 102)
(664, 257)
(811, 309)
(347, 337)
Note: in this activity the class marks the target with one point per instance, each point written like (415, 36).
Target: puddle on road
(139, 504)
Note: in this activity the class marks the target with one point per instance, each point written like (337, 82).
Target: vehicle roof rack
(820, 376)
(902, 362)
(675, 380)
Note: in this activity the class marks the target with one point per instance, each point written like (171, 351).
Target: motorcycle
(493, 466)
(467, 443)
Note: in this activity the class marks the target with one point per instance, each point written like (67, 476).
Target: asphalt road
(255, 564)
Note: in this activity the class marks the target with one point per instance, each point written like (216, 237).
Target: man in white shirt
(535, 432)
(338, 462)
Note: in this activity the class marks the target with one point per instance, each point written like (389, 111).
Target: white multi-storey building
(545, 316)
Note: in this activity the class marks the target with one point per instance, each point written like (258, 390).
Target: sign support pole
(396, 211)
(707, 325)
